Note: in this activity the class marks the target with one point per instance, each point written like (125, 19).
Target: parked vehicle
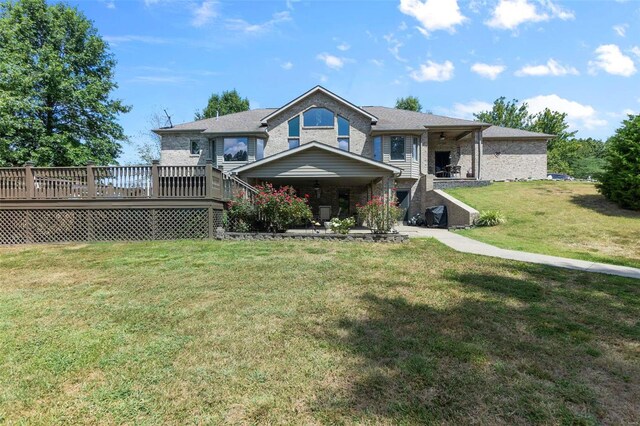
(559, 176)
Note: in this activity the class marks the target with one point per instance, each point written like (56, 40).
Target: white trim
(335, 97)
(304, 147)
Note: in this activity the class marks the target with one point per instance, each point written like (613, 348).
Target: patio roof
(316, 160)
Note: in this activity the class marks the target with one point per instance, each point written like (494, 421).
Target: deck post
(155, 179)
(29, 180)
(91, 180)
(208, 179)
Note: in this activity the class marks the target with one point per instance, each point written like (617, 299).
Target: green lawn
(310, 333)
(569, 219)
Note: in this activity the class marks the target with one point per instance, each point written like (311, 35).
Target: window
(294, 132)
(318, 117)
(259, 149)
(397, 147)
(194, 145)
(415, 153)
(377, 148)
(235, 149)
(343, 133)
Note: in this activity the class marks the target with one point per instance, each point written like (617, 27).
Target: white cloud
(621, 29)
(394, 46)
(487, 70)
(552, 67)
(509, 14)
(434, 15)
(579, 116)
(636, 51)
(343, 46)
(610, 59)
(204, 13)
(331, 61)
(245, 27)
(467, 110)
(377, 62)
(110, 4)
(290, 3)
(433, 71)
(287, 66)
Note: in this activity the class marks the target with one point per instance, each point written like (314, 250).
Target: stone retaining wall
(365, 238)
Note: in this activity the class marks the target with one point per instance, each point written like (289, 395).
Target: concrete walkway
(467, 245)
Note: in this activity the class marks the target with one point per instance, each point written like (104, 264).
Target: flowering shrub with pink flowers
(380, 214)
(240, 215)
(280, 208)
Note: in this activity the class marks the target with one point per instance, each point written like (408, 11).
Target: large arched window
(317, 117)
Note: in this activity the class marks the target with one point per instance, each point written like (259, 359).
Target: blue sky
(580, 57)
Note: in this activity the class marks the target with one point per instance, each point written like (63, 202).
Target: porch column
(476, 153)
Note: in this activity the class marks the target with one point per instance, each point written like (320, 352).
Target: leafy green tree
(410, 103)
(225, 103)
(506, 114)
(56, 76)
(620, 181)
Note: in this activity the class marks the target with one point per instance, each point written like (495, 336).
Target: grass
(569, 219)
(310, 333)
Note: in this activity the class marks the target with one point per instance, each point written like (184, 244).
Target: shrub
(342, 226)
(620, 181)
(379, 214)
(490, 218)
(279, 209)
(240, 215)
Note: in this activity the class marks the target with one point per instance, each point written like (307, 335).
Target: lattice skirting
(123, 224)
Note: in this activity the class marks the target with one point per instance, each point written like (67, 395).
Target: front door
(403, 203)
(344, 203)
(443, 159)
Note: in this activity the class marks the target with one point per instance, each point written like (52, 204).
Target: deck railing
(111, 182)
(234, 187)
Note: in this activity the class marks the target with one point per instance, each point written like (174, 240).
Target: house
(341, 154)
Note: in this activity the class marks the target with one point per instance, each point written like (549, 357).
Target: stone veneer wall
(176, 151)
(359, 127)
(514, 159)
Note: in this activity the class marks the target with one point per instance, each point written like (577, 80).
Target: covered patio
(333, 180)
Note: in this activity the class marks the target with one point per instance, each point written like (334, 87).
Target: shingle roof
(388, 119)
(239, 122)
(399, 119)
(499, 132)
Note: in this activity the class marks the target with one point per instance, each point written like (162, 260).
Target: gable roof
(321, 146)
(400, 119)
(499, 132)
(325, 92)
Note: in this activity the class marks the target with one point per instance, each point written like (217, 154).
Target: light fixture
(441, 136)
(316, 187)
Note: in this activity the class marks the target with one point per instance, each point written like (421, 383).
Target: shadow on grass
(600, 204)
(513, 350)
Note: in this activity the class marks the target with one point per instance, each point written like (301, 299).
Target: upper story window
(415, 152)
(343, 133)
(294, 132)
(194, 147)
(259, 149)
(377, 148)
(318, 117)
(235, 149)
(397, 147)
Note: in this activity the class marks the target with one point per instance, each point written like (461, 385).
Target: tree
(410, 103)
(221, 104)
(148, 144)
(506, 114)
(620, 181)
(56, 75)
